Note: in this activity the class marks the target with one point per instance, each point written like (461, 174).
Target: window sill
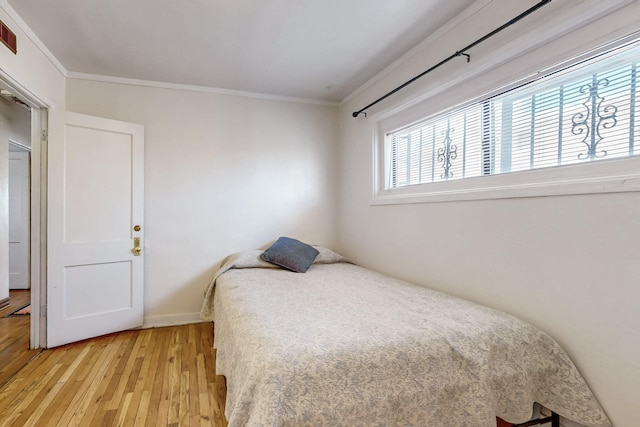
(612, 176)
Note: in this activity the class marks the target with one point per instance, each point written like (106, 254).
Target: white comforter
(341, 345)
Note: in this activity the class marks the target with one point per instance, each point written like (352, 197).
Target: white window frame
(603, 176)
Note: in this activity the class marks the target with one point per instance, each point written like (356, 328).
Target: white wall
(29, 69)
(567, 264)
(223, 174)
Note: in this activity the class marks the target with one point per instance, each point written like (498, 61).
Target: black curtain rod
(460, 52)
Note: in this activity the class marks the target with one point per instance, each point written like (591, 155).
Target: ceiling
(313, 49)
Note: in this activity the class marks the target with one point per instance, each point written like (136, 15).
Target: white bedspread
(341, 345)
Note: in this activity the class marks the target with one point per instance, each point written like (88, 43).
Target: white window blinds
(583, 113)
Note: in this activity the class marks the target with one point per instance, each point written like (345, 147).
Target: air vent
(8, 37)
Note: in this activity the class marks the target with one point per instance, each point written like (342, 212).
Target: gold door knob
(137, 250)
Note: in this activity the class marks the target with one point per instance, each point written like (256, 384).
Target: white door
(95, 217)
(19, 195)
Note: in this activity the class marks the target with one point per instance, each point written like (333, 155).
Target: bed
(341, 345)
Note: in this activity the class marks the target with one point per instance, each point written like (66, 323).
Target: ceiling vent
(8, 37)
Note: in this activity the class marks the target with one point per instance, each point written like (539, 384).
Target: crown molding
(13, 15)
(194, 88)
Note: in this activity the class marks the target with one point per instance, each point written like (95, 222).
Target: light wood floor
(14, 337)
(152, 377)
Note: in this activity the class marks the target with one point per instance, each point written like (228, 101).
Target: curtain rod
(460, 52)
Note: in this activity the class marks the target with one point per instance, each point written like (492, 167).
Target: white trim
(171, 320)
(27, 96)
(193, 88)
(20, 144)
(39, 156)
(535, 183)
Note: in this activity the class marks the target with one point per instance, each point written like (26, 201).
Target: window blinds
(585, 112)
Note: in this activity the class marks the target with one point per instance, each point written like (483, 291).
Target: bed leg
(554, 419)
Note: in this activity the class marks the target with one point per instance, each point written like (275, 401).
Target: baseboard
(4, 303)
(171, 320)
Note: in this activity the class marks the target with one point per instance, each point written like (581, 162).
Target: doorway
(15, 178)
(52, 309)
(19, 214)
(23, 120)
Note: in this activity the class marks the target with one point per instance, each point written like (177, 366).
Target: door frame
(38, 238)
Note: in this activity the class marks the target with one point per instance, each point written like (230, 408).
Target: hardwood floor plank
(78, 360)
(141, 414)
(62, 404)
(163, 413)
(109, 418)
(160, 387)
(204, 406)
(86, 388)
(14, 337)
(138, 389)
(10, 414)
(36, 414)
(183, 407)
(15, 390)
(115, 379)
(104, 382)
(58, 396)
(91, 385)
(44, 392)
(123, 409)
(127, 372)
(192, 369)
(152, 377)
(175, 366)
(205, 414)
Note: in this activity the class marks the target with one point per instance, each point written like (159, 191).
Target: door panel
(97, 288)
(108, 217)
(94, 280)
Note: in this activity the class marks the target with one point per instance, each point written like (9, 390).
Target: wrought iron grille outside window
(586, 112)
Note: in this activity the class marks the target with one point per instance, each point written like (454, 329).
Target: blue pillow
(291, 254)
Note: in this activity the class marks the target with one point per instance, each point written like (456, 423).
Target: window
(578, 115)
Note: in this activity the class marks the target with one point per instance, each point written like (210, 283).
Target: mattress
(341, 345)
